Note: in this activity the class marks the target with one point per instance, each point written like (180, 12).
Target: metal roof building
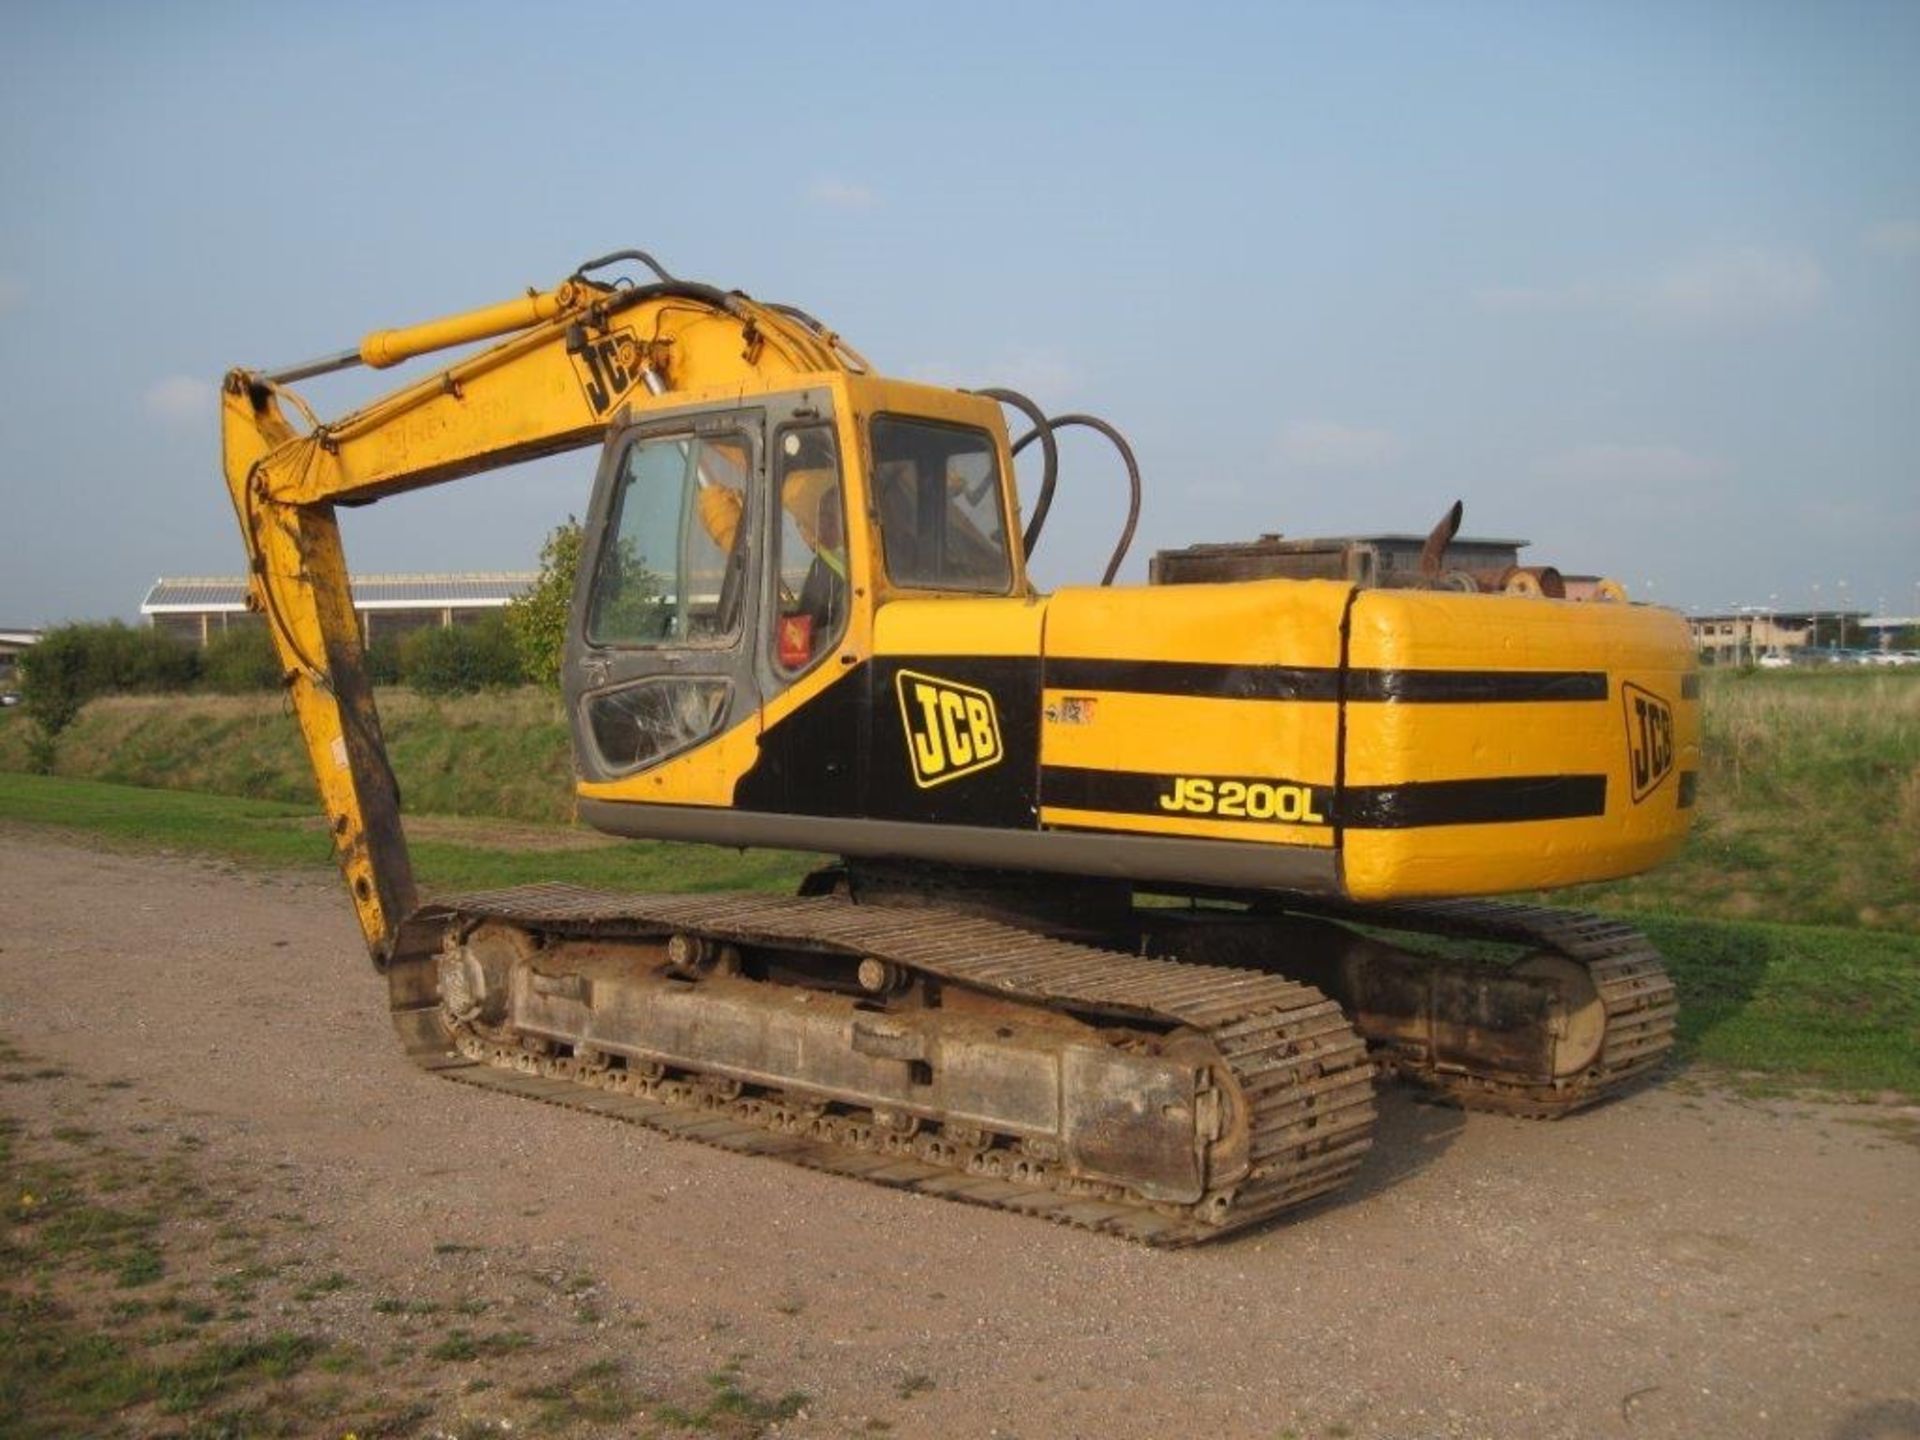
(197, 608)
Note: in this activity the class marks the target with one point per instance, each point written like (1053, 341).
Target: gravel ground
(1683, 1262)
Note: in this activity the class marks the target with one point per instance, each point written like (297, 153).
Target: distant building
(1886, 630)
(13, 643)
(1740, 636)
(199, 608)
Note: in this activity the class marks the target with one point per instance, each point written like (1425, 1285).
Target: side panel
(1209, 711)
(956, 712)
(907, 720)
(1293, 735)
(943, 720)
(1507, 744)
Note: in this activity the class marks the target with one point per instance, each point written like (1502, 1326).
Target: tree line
(519, 645)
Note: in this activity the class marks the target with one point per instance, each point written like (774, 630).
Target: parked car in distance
(1776, 662)
(9, 697)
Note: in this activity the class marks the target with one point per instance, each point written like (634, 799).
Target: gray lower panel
(1126, 857)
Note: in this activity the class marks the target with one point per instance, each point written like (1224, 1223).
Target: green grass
(1809, 805)
(730, 1408)
(278, 834)
(595, 1394)
(65, 1244)
(1825, 1006)
(54, 1371)
(461, 1345)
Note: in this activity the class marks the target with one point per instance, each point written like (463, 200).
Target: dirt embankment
(1681, 1263)
(501, 754)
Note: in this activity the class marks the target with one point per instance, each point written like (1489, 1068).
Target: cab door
(816, 697)
(662, 639)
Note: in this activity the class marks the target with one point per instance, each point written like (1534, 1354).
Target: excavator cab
(733, 558)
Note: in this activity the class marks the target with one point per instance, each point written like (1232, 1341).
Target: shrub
(119, 659)
(382, 660)
(74, 663)
(462, 659)
(241, 660)
(54, 683)
(538, 618)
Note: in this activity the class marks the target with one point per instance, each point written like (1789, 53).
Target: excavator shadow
(1411, 1133)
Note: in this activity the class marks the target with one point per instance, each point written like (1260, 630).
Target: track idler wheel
(1578, 1022)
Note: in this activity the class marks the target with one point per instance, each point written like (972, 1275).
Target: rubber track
(1627, 972)
(1303, 1074)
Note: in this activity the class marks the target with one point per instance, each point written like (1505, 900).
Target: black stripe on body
(1473, 802)
(1188, 677)
(1475, 686)
(1309, 682)
(1411, 805)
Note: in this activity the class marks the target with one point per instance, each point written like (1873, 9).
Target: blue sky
(1639, 282)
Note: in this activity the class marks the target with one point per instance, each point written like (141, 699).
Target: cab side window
(937, 489)
(810, 545)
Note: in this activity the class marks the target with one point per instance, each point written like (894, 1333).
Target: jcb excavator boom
(577, 355)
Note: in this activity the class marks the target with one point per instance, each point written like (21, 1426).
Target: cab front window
(670, 570)
(937, 490)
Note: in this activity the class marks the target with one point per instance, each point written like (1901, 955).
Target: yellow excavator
(1133, 890)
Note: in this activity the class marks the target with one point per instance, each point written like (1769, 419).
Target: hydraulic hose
(616, 256)
(1094, 422)
(1050, 470)
(794, 312)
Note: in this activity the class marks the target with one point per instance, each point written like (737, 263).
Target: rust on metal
(1142, 1097)
(1166, 1100)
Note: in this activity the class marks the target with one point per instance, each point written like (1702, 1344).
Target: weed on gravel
(730, 1409)
(142, 1292)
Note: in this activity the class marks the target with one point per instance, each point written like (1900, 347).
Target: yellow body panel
(1255, 622)
(960, 627)
(1207, 732)
(1179, 734)
(704, 775)
(1630, 646)
(1304, 763)
(1290, 743)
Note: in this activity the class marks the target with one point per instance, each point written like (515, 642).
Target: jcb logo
(1649, 740)
(952, 730)
(608, 366)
